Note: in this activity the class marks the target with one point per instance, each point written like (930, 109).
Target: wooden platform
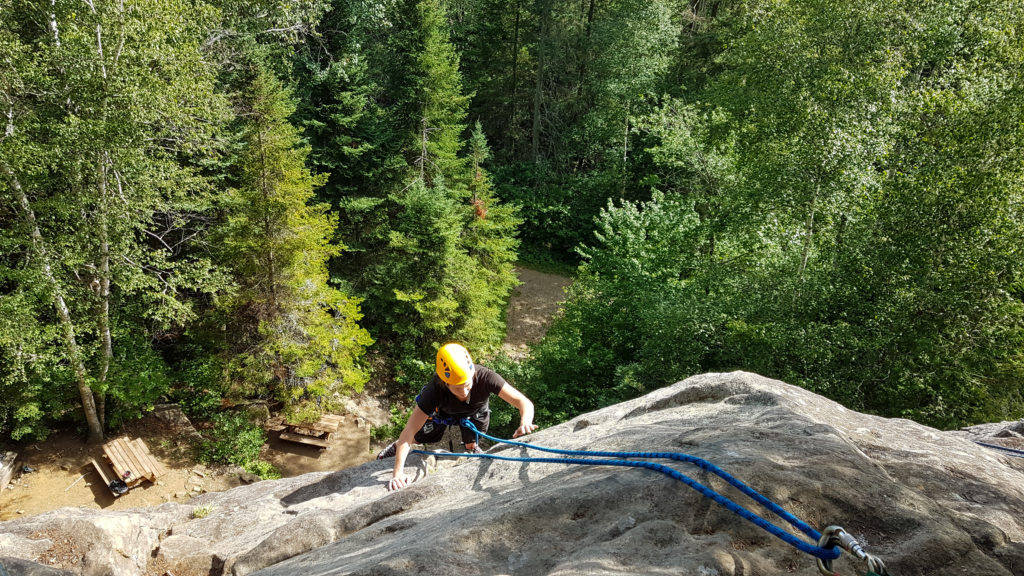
(129, 461)
(328, 423)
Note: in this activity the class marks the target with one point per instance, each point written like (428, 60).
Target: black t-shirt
(436, 395)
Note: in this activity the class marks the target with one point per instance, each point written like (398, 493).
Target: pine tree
(337, 111)
(421, 87)
(291, 330)
(430, 267)
(490, 240)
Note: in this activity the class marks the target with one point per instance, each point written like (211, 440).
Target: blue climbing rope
(1011, 451)
(625, 459)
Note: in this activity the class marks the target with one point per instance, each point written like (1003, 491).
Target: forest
(204, 201)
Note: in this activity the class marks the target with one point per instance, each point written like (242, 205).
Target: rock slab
(927, 502)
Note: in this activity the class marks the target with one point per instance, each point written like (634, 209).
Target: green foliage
(837, 212)
(263, 469)
(492, 38)
(440, 271)
(98, 188)
(555, 217)
(235, 440)
(27, 366)
(337, 110)
(422, 88)
(577, 79)
(504, 416)
(411, 372)
(429, 245)
(393, 428)
(589, 358)
(137, 380)
(202, 511)
(199, 388)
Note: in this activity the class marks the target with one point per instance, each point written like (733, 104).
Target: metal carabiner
(836, 536)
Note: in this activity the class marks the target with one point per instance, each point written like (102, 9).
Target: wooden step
(332, 419)
(305, 439)
(326, 423)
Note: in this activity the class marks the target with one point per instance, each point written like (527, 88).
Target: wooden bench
(130, 461)
(304, 439)
(7, 468)
(105, 473)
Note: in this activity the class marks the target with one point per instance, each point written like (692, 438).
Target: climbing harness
(1009, 451)
(446, 420)
(437, 418)
(826, 549)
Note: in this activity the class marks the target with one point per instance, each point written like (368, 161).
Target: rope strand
(625, 459)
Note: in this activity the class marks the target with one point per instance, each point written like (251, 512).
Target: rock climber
(458, 389)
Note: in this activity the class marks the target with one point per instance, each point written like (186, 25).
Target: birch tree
(121, 96)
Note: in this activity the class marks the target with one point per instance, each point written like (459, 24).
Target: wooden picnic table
(313, 433)
(129, 461)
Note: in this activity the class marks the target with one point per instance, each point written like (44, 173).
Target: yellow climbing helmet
(454, 366)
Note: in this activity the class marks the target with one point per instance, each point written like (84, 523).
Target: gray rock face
(19, 567)
(926, 502)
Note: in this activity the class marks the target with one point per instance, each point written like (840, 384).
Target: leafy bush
(138, 378)
(235, 440)
(392, 429)
(504, 416)
(263, 469)
(199, 391)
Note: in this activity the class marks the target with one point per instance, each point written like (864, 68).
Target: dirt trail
(62, 475)
(532, 308)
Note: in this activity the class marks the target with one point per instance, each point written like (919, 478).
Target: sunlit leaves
(854, 174)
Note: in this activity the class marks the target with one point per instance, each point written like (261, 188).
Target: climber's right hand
(398, 481)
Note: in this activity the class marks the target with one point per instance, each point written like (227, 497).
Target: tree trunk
(104, 289)
(535, 133)
(74, 352)
(625, 151)
(584, 50)
(53, 23)
(513, 120)
(625, 139)
(266, 184)
(810, 233)
(424, 140)
(840, 230)
(545, 16)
